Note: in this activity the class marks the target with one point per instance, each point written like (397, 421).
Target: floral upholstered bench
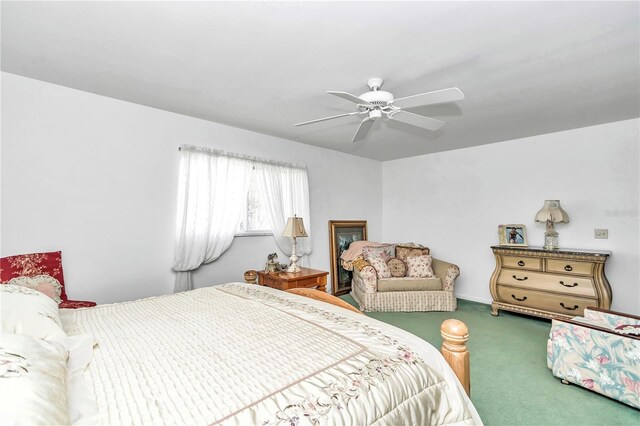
(600, 352)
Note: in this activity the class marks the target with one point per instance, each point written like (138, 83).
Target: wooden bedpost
(454, 349)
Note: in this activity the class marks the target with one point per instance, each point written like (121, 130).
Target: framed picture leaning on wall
(341, 234)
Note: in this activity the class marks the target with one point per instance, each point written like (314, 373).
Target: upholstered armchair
(374, 291)
(600, 352)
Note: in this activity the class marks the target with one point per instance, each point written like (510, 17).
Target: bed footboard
(454, 349)
(322, 296)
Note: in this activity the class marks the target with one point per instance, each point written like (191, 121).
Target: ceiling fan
(377, 102)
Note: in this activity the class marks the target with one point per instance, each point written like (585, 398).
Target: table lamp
(294, 229)
(551, 213)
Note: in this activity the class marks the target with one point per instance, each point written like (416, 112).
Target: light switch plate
(601, 234)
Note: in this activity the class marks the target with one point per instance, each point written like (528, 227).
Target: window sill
(254, 234)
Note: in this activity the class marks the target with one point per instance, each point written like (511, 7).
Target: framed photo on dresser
(341, 234)
(513, 235)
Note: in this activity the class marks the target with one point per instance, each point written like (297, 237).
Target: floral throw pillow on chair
(379, 264)
(397, 267)
(419, 266)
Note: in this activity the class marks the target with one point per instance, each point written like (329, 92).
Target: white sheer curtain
(286, 191)
(212, 190)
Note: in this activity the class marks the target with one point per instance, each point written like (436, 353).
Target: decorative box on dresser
(558, 283)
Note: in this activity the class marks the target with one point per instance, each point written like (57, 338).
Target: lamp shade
(553, 212)
(294, 228)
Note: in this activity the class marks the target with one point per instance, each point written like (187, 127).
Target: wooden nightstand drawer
(563, 304)
(269, 281)
(574, 286)
(530, 263)
(309, 282)
(569, 267)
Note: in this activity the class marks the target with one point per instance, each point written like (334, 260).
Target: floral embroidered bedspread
(248, 355)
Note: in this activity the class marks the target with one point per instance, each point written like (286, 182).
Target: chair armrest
(75, 304)
(366, 279)
(447, 272)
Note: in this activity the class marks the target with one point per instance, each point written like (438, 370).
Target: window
(255, 221)
(211, 202)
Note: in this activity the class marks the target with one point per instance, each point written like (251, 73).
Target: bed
(243, 354)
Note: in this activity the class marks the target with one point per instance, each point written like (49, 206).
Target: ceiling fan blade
(363, 130)
(416, 120)
(349, 97)
(327, 118)
(438, 97)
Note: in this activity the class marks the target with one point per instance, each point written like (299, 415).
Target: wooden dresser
(559, 283)
(306, 278)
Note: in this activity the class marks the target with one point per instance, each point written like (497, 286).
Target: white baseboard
(474, 299)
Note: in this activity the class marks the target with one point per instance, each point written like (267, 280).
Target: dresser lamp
(551, 213)
(294, 229)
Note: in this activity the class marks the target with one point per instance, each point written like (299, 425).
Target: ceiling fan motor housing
(377, 97)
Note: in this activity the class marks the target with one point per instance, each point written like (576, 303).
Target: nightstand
(306, 278)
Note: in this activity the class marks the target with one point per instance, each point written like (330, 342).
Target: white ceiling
(526, 68)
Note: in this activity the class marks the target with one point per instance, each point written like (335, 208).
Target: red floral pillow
(29, 265)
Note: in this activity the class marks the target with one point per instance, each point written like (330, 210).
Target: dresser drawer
(569, 267)
(574, 286)
(530, 263)
(560, 303)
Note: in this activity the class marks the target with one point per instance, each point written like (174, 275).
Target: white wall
(96, 178)
(454, 201)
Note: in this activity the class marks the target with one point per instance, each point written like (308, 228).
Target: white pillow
(27, 311)
(32, 381)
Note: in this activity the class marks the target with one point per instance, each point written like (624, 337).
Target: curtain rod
(251, 158)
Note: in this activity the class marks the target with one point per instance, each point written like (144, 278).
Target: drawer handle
(568, 285)
(569, 309)
(568, 268)
(520, 263)
(523, 299)
(520, 279)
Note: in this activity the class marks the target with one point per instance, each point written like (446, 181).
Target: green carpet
(510, 381)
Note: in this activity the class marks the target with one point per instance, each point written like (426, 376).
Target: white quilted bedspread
(249, 355)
